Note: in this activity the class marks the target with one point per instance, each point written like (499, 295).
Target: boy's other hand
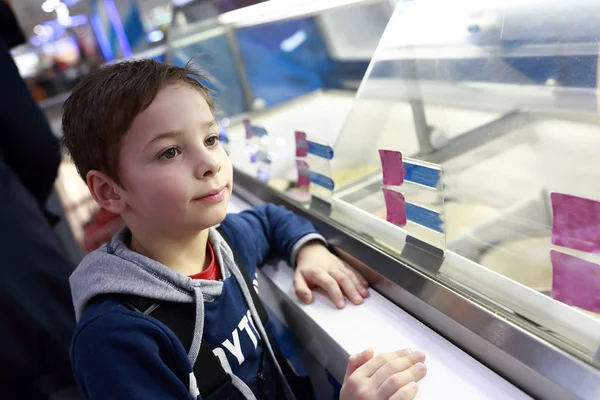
(317, 267)
(391, 376)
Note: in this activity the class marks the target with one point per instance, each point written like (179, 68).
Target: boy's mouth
(214, 196)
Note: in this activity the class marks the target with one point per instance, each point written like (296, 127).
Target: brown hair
(104, 104)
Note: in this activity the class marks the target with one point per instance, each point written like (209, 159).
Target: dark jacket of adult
(36, 313)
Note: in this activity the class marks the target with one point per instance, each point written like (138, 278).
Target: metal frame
(239, 66)
(533, 364)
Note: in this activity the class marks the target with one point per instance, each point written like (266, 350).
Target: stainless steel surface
(535, 365)
(425, 255)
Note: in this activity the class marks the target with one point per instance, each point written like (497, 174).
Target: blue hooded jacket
(118, 353)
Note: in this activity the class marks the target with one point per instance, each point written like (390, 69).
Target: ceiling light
(155, 36)
(62, 15)
(38, 30)
(48, 6)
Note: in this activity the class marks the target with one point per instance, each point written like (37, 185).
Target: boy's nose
(207, 165)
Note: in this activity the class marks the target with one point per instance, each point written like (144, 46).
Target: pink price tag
(395, 207)
(301, 144)
(303, 173)
(576, 222)
(392, 167)
(248, 128)
(575, 282)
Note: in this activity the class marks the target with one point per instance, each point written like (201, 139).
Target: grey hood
(115, 269)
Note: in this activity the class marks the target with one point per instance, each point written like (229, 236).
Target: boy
(143, 137)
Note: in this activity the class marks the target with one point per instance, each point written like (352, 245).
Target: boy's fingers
(359, 281)
(357, 360)
(302, 290)
(325, 281)
(401, 372)
(390, 368)
(407, 392)
(363, 282)
(372, 366)
(348, 286)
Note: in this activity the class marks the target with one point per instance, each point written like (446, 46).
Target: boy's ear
(106, 192)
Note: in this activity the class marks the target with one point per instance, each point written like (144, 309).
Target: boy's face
(177, 178)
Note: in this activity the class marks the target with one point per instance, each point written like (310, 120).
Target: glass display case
(498, 105)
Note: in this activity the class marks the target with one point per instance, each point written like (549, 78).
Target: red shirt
(213, 272)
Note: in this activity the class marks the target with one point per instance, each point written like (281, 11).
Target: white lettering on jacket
(244, 326)
(234, 346)
(194, 391)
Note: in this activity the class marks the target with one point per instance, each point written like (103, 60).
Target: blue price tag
(321, 180)
(263, 157)
(320, 150)
(425, 217)
(421, 174)
(258, 131)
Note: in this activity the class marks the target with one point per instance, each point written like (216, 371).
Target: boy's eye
(169, 154)
(213, 140)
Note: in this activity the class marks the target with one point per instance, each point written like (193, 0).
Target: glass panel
(502, 99)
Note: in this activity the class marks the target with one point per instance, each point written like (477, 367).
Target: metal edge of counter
(534, 365)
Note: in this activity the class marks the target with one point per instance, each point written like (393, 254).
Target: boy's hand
(391, 376)
(316, 266)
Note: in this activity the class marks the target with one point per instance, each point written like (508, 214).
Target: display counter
(503, 110)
